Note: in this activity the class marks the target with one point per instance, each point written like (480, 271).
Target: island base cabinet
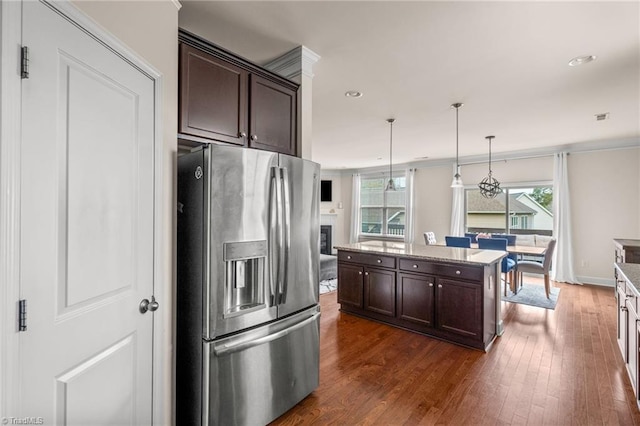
(622, 323)
(416, 298)
(444, 300)
(632, 342)
(350, 285)
(459, 308)
(380, 291)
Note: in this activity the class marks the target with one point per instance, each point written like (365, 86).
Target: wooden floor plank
(554, 367)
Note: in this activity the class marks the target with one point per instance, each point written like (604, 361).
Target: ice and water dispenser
(245, 276)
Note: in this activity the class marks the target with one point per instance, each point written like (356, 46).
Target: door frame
(10, 145)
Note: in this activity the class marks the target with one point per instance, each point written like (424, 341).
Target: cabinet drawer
(367, 259)
(472, 273)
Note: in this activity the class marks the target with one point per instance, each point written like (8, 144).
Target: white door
(86, 228)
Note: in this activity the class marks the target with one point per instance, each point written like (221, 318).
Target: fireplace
(325, 239)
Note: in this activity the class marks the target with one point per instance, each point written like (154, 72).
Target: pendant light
(457, 179)
(391, 185)
(489, 186)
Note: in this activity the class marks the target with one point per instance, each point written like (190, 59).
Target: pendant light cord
(390, 149)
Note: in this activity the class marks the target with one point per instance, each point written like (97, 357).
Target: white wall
(604, 189)
(150, 28)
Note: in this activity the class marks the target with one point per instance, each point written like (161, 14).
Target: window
(382, 213)
(518, 210)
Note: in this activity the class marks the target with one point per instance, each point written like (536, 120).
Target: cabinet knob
(254, 137)
(415, 266)
(243, 135)
(430, 284)
(379, 261)
(624, 309)
(457, 272)
(439, 285)
(366, 273)
(359, 273)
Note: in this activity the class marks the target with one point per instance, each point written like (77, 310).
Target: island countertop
(432, 252)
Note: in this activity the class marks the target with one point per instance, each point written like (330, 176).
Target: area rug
(534, 295)
(327, 286)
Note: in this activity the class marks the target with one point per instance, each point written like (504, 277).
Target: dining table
(517, 250)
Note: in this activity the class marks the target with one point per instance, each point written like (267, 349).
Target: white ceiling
(506, 61)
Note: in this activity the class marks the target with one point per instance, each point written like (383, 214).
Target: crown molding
(177, 4)
(294, 63)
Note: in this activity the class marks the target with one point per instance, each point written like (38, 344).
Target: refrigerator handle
(286, 233)
(240, 346)
(274, 248)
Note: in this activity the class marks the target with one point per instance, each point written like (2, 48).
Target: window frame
(384, 235)
(506, 186)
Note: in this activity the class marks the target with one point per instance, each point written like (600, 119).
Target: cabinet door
(632, 343)
(213, 97)
(350, 284)
(416, 298)
(380, 291)
(622, 324)
(273, 116)
(459, 308)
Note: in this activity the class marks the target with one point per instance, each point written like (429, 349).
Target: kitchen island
(448, 293)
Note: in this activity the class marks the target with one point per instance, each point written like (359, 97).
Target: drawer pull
(349, 257)
(457, 272)
(379, 261)
(415, 266)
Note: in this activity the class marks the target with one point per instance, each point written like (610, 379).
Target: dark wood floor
(556, 367)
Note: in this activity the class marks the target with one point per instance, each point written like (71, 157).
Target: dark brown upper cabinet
(225, 98)
(213, 97)
(273, 116)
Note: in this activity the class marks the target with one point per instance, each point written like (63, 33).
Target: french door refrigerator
(248, 317)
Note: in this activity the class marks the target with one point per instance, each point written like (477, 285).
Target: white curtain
(457, 212)
(355, 209)
(409, 206)
(563, 256)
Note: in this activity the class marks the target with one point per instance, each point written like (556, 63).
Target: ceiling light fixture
(457, 179)
(603, 116)
(391, 185)
(353, 94)
(581, 60)
(489, 186)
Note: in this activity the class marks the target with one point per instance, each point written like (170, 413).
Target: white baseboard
(605, 282)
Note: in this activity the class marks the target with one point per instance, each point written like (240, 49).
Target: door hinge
(22, 315)
(24, 67)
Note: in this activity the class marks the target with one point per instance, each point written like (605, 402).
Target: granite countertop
(626, 242)
(420, 251)
(631, 272)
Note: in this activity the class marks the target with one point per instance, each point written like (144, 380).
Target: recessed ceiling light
(353, 94)
(603, 116)
(580, 60)
(379, 158)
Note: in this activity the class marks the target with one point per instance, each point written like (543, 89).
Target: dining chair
(541, 268)
(473, 236)
(509, 265)
(430, 238)
(464, 242)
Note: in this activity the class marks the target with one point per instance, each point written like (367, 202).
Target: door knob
(145, 305)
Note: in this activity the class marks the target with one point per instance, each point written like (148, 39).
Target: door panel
(239, 217)
(87, 184)
(350, 285)
(273, 116)
(302, 195)
(380, 291)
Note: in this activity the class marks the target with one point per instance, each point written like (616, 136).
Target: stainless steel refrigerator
(247, 285)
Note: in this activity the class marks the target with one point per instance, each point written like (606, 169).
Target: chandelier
(489, 186)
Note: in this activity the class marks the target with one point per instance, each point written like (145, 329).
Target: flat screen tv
(325, 190)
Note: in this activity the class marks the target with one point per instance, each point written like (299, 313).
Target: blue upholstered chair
(472, 235)
(464, 242)
(509, 265)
